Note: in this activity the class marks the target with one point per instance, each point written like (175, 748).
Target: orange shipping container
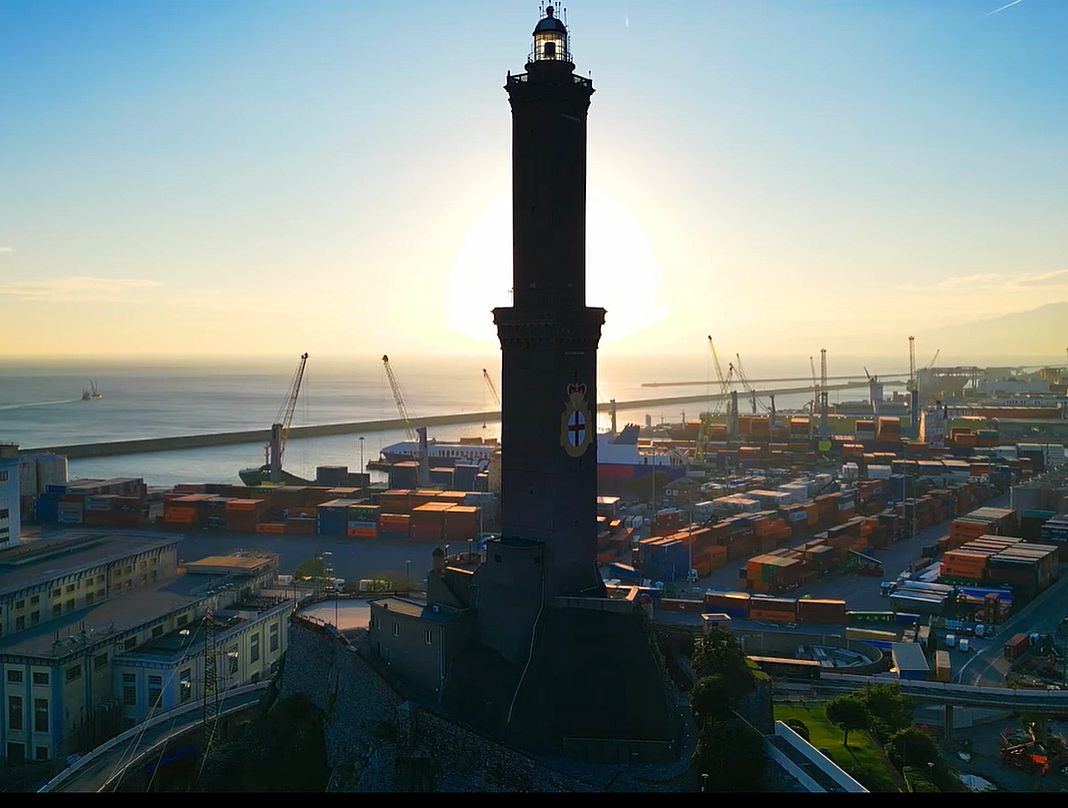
(270, 527)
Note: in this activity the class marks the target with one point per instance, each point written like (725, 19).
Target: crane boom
(933, 359)
(724, 383)
(399, 399)
(289, 405)
(745, 383)
(912, 363)
(492, 387)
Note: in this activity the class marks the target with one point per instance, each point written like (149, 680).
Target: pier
(78, 451)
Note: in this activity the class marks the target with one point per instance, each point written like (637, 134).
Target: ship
(619, 457)
(441, 454)
(92, 394)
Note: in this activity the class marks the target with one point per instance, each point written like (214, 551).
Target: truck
(942, 666)
(951, 641)
(964, 645)
(1015, 647)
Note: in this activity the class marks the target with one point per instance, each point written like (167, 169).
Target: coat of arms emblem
(576, 431)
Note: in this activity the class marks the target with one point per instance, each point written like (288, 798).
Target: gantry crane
(933, 359)
(874, 393)
(280, 428)
(399, 399)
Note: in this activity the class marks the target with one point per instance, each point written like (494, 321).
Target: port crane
(825, 423)
(415, 435)
(492, 387)
(873, 386)
(933, 359)
(723, 382)
(912, 365)
(745, 384)
(280, 428)
(398, 399)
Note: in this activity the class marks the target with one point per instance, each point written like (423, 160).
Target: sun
(622, 274)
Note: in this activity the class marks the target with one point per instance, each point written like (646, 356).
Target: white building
(99, 632)
(10, 515)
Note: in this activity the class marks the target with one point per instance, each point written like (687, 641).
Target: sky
(235, 178)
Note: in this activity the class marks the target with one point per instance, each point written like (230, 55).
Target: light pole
(704, 783)
(408, 576)
(361, 454)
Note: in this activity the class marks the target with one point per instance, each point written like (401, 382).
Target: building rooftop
(233, 563)
(84, 628)
(44, 560)
(417, 608)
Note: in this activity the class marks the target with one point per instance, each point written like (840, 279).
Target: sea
(40, 404)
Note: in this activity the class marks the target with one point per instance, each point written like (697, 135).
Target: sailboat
(92, 394)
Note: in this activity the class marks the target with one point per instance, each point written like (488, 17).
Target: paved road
(94, 771)
(861, 592)
(1044, 614)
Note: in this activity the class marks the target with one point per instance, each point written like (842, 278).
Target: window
(74, 673)
(131, 642)
(14, 713)
(144, 580)
(100, 593)
(14, 676)
(57, 593)
(157, 631)
(40, 715)
(100, 661)
(129, 689)
(89, 598)
(153, 575)
(144, 564)
(181, 620)
(274, 636)
(70, 588)
(16, 752)
(20, 603)
(57, 610)
(129, 570)
(396, 629)
(35, 617)
(70, 605)
(185, 685)
(20, 622)
(254, 648)
(41, 753)
(155, 691)
(35, 600)
(233, 659)
(428, 637)
(40, 677)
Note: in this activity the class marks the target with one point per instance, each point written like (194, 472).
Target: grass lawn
(863, 751)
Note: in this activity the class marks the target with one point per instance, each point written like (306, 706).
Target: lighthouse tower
(549, 336)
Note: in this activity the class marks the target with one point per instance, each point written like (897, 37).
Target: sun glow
(622, 272)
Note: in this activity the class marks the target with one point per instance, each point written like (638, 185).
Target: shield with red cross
(575, 430)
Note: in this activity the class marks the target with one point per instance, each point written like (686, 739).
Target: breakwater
(78, 451)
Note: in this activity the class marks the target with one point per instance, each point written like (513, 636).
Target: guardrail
(169, 715)
(953, 693)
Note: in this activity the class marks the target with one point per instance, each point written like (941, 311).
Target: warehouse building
(102, 631)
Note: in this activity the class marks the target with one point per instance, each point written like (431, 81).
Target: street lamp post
(361, 454)
(408, 576)
(704, 783)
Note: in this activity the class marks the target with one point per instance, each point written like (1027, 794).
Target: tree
(711, 697)
(912, 747)
(718, 653)
(313, 569)
(848, 713)
(731, 753)
(890, 711)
